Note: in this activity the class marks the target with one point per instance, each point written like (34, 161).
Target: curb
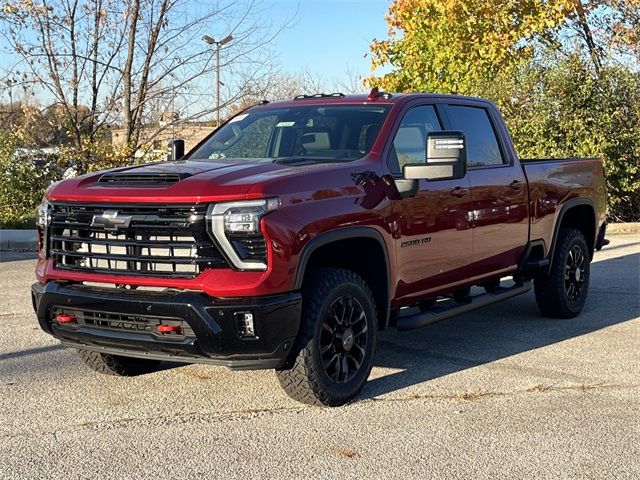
(623, 228)
(26, 240)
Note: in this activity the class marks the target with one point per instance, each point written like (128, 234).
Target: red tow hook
(65, 318)
(169, 329)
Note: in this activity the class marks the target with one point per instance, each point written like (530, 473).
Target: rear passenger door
(433, 238)
(499, 213)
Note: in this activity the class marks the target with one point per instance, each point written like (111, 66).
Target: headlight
(43, 220)
(43, 214)
(244, 217)
(234, 218)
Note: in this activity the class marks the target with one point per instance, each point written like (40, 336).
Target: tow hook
(169, 329)
(64, 318)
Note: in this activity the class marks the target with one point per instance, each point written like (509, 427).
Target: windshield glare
(334, 133)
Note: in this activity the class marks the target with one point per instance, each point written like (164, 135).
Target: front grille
(141, 179)
(155, 240)
(123, 322)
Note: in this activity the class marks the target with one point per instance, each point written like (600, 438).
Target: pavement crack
(251, 413)
(478, 394)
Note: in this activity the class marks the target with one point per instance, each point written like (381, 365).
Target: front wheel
(333, 355)
(562, 292)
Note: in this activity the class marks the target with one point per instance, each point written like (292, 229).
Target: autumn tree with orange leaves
(565, 74)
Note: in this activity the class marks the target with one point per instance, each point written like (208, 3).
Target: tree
(107, 61)
(609, 28)
(565, 74)
(450, 45)
(280, 85)
(558, 107)
(35, 126)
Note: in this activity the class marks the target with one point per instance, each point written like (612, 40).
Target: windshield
(322, 133)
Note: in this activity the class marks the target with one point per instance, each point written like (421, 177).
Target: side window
(482, 144)
(409, 144)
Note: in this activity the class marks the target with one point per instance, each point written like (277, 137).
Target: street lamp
(211, 41)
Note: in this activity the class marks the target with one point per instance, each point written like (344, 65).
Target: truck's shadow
(503, 330)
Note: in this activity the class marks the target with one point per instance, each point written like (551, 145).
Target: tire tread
(549, 287)
(302, 380)
(116, 365)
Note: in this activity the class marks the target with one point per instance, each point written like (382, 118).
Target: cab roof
(374, 97)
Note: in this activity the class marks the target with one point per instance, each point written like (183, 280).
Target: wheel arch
(578, 213)
(360, 249)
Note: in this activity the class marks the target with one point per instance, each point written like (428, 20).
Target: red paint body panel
(459, 240)
(552, 183)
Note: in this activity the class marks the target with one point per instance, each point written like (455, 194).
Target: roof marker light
(376, 93)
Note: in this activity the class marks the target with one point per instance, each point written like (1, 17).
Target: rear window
(482, 144)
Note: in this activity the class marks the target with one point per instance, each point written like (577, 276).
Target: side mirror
(176, 150)
(446, 158)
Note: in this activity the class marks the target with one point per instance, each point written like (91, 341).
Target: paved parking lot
(499, 393)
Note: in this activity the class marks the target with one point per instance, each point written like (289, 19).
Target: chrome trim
(215, 220)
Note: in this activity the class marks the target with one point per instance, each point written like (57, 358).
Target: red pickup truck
(297, 230)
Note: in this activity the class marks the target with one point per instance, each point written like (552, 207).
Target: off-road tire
(304, 378)
(550, 288)
(116, 364)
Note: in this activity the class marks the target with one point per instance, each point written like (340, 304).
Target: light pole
(10, 83)
(211, 41)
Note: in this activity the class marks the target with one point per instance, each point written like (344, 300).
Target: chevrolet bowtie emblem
(111, 221)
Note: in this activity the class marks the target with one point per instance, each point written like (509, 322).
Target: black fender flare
(574, 202)
(344, 234)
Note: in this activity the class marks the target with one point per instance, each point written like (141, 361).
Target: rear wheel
(116, 364)
(562, 292)
(333, 355)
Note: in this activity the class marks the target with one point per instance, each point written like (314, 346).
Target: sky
(326, 40)
(329, 38)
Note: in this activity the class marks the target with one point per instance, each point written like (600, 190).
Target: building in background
(157, 136)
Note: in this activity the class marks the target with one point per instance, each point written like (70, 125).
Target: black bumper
(210, 334)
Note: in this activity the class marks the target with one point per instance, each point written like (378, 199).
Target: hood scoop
(126, 179)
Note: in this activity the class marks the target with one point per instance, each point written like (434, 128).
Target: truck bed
(554, 182)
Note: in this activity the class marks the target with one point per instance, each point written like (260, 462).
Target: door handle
(515, 185)
(459, 192)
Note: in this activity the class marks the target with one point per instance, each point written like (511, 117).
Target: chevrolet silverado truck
(295, 232)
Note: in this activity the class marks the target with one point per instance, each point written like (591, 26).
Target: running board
(452, 308)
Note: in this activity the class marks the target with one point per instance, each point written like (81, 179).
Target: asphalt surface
(499, 393)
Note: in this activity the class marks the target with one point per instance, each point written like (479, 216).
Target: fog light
(244, 323)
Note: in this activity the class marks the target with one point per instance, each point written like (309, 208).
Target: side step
(452, 308)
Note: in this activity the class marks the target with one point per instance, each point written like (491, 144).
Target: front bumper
(127, 324)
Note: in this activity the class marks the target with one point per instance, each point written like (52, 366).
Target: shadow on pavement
(487, 335)
(503, 330)
(30, 351)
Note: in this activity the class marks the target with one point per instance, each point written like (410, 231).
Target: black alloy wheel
(343, 339)
(574, 273)
(333, 354)
(561, 291)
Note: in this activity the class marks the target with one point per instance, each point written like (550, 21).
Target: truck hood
(174, 182)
